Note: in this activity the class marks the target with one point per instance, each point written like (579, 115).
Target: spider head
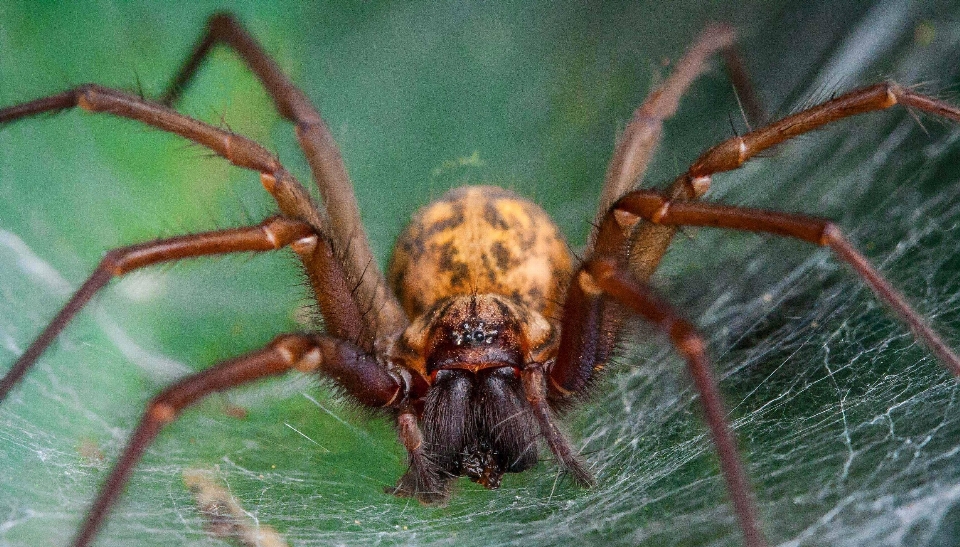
(476, 419)
(474, 333)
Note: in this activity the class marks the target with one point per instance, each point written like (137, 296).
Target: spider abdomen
(480, 239)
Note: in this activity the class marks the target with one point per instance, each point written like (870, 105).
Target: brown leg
(237, 149)
(641, 136)
(658, 209)
(588, 332)
(291, 196)
(535, 388)
(754, 113)
(585, 335)
(732, 153)
(273, 233)
(322, 154)
(423, 479)
(293, 199)
(359, 373)
(650, 241)
(604, 274)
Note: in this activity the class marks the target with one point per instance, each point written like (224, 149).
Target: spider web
(850, 427)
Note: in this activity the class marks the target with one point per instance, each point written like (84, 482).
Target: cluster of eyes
(474, 334)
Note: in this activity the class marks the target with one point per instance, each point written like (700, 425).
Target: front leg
(590, 323)
(272, 234)
(660, 210)
(323, 156)
(635, 148)
(349, 366)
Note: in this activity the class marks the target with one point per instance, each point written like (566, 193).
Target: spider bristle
(743, 112)
(923, 86)
(223, 121)
(733, 127)
(303, 285)
(916, 117)
(825, 92)
(140, 93)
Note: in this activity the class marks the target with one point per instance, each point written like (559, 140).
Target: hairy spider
(500, 337)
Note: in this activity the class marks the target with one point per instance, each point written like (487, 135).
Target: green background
(849, 427)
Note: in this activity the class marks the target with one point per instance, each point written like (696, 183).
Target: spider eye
(473, 334)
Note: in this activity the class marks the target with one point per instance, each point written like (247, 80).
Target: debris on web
(224, 516)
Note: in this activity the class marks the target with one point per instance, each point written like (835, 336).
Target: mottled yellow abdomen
(482, 240)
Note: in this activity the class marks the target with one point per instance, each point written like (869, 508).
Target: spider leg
(586, 341)
(273, 233)
(322, 154)
(659, 209)
(423, 479)
(650, 240)
(360, 374)
(627, 251)
(732, 153)
(606, 275)
(535, 388)
(588, 330)
(291, 197)
(642, 135)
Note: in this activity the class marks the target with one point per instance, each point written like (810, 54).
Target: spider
(468, 339)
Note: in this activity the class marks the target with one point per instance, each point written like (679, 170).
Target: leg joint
(86, 96)
(894, 91)
(830, 233)
(162, 412)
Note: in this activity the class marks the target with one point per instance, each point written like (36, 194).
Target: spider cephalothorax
(483, 259)
(489, 326)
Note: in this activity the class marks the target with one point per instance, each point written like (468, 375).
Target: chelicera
(484, 325)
